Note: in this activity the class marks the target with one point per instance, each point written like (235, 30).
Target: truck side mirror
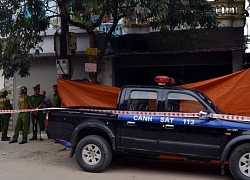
(204, 115)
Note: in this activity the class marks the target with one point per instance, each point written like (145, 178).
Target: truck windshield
(208, 101)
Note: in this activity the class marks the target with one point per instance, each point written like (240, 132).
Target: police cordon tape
(175, 114)
(143, 113)
(23, 110)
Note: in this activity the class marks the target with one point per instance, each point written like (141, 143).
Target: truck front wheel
(93, 153)
(239, 163)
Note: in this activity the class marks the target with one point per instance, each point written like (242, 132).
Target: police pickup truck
(154, 121)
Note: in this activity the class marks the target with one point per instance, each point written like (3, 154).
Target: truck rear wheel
(93, 153)
(239, 163)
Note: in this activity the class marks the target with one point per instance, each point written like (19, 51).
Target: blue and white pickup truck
(154, 121)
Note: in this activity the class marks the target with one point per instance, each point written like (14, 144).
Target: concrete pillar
(237, 60)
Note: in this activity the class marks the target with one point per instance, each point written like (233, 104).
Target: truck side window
(180, 102)
(142, 101)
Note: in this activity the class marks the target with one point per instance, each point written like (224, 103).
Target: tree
(20, 32)
(23, 23)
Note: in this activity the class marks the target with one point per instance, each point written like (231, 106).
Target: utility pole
(64, 35)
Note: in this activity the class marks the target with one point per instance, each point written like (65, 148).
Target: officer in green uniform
(37, 116)
(23, 117)
(5, 105)
(57, 101)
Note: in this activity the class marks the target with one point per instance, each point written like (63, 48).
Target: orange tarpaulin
(231, 93)
(77, 93)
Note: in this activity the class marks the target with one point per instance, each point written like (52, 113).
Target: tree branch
(78, 24)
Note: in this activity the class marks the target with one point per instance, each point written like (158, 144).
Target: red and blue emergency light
(164, 80)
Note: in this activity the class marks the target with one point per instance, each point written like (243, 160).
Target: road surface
(43, 160)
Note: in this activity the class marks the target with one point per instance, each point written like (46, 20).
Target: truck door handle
(130, 123)
(168, 125)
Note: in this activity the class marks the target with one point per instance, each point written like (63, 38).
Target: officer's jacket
(36, 100)
(57, 100)
(5, 104)
(24, 102)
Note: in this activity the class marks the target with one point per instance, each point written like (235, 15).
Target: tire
(93, 153)
(239, 162)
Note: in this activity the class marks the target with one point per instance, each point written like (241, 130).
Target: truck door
(136, 131)
(187, 135)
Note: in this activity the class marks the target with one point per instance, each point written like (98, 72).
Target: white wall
(43, 72)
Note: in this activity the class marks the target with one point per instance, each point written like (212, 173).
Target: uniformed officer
(23, 117)
(5, 105)
(37, 116)
(57, 101)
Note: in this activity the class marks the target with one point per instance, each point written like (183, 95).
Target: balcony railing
(229, 9)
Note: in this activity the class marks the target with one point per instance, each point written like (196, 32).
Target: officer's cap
(36, 87)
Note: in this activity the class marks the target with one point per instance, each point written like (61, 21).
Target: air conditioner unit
(62, 66)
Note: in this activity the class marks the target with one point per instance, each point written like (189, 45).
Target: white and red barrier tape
(24, 110)
(173, 114)
(144, 113)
